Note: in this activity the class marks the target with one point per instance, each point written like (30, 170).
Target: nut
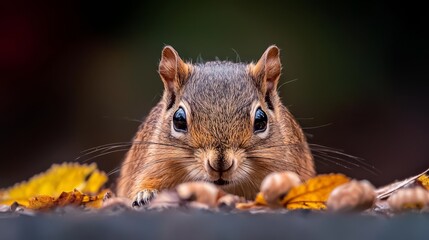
(409, 198)
(352, 196)
(200, 192)
(230, 200)
(276, 185)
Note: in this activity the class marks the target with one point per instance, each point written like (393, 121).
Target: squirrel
(220, 122)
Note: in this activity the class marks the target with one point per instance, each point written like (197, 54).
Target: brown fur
(218, 98)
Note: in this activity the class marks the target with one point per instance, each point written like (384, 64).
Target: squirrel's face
(220, 134)
(223, 117)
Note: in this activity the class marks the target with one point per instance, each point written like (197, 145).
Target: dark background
(72, 75)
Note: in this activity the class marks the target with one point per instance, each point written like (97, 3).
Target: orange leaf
(96, 201)
(314, 193)
(259, 200)
(69, 198)
(41, 203)
(424, 181)
(74, 198)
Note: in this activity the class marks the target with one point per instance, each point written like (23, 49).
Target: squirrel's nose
(220, 165)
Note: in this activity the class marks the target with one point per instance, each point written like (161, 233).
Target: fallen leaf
(259, 200)
(424, 181)
(314, 193)
(70, 198)
(97, 200)
(42, 188)
(73, 198)
(41, 202)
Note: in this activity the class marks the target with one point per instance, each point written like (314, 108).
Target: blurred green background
(74, 75)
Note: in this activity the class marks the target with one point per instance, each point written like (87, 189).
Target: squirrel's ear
(267, 70)
(172, 69)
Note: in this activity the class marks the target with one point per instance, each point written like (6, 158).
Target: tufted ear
(173, 72)
(266, 72)
(172, 69)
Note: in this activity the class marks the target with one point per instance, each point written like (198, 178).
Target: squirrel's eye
(260, 123)
(179, 120)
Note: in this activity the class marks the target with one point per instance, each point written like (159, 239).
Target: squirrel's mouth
(221, 182)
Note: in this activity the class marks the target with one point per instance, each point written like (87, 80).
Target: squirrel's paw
(144, 197)
(354, 195)
(276, 185)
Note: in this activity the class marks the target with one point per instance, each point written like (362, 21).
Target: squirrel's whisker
(126, 145)
(316, 148)
(283, 165)
(106, 145)
(318, 157)
(324, 154)
(103, 154)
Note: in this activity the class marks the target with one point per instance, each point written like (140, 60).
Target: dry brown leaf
(41, 203)
(74, 198)
(96, 201)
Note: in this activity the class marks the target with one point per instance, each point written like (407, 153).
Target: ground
(201, 224)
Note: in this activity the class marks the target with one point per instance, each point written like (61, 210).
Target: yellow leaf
(424, 181)
(314, 193)
(58, 179)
